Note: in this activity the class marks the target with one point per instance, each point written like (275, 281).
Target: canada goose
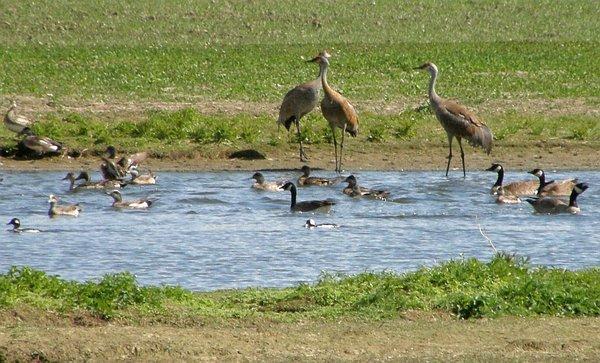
(145, 179)
(39, 144)
(118, 201)
(457, 120)
(16, 223)
(307, 206)
(67, 210)
(306, 179)
(504, 198)
(261, 184)
(311, 224)
(517, 188)
(553, 187)
(354, 190)
(554, 205)
(14, 122)
(103, 184)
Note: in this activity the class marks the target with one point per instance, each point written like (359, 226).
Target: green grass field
(465, 288)
(488, 53)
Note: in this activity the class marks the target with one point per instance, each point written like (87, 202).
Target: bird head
(83, 175)
(116, 195)
(537, 172)
(310, 223)
(350, 180)
(288, 186)
(111, 151)
(306, 170)
(494, 167)
(430, 67)
(69, 176)
(258, 177)
(321, 58)
(52, 198)
(580, 188)
(15, 222)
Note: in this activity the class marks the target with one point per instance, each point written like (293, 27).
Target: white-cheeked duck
(64, 210)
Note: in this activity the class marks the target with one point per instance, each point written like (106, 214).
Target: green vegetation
(467, 288)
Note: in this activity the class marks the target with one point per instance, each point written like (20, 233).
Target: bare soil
(415, 336)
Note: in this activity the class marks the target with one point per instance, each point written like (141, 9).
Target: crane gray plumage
(457, 121)
(299, 101)
(336, 109)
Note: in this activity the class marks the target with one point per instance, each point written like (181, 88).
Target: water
(210, 230)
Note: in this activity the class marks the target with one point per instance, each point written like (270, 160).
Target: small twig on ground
(484, 235)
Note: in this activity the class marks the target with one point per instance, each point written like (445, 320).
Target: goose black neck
(573, 198)
(542, 182)
(293, 193)
(500, 178)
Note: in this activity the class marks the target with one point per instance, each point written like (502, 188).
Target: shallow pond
(210, 230)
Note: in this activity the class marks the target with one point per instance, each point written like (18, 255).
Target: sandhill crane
(336, 109)
(14, 122)
(299, 101)
(458, 122)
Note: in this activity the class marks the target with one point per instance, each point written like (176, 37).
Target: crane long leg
(449, 154)
(462, 156)
(342, 148)
(335, 148)
(302, 154)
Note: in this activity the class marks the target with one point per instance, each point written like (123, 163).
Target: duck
(307, 206)
(553, 187)
(554, 205)
(306, 179)
(71, 178)
(354, 190)
(118, 201)
(14, 122)
(67, 210)
(103, 184)
(261, 184)
(41, 145)
(144, 179)
(16, 223)
(113, 169)
(516, 188)
(311, 224)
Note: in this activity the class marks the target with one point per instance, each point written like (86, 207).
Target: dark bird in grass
(40, 144)
(307, 206)
(554, 205)
(338, 112)
(299, 101)
(457, 121)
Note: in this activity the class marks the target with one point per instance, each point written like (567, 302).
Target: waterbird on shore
(118, 201)
(261, 184)
(299, 101)
(40, 144)
(15, 122)
(354, 190)
(457, 121)
(554, 205)
(305, 179)
(67, 209)
(516, 188)
(16, 223)
(311, 224)
(307, 206)
(553, 187)
(336, 109)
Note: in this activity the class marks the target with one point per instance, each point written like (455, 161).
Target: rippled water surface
(210, 230)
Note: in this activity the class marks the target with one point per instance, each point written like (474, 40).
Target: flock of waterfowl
(458, 122)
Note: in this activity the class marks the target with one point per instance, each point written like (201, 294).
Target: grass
(466, 288)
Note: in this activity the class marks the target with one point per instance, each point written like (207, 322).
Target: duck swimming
(354, 190)
(306, 179)
(16, 223)
(554, 205)
(66, 210)
(310, 224)
(144, 179)
(307, 206)
(118, 201)
(261, 184)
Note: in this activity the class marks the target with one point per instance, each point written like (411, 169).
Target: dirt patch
(419, 338)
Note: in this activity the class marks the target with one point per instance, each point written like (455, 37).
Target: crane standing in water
(458, 122)
(336, 109)
(299, 101)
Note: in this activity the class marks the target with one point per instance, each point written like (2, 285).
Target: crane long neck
(500, 178)
(293, 192)
(432, 95)
(323, 76)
